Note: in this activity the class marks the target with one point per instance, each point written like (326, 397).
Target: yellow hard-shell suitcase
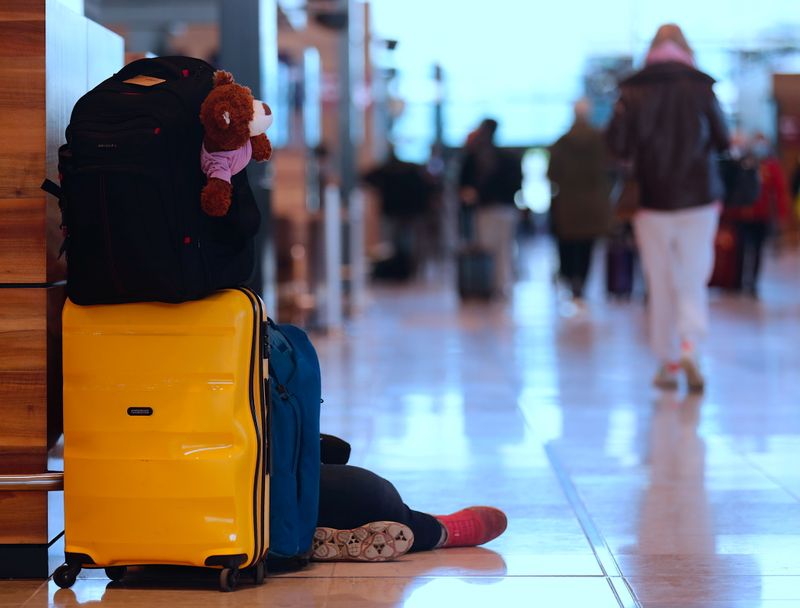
(165, 436)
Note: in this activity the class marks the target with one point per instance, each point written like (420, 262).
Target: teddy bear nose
(267, 110)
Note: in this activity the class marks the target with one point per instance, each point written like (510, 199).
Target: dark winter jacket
(405, 188)
(668, 122)
(495, 173)
(579, 172)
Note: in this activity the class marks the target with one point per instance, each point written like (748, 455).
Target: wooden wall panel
(23, 380)
(30, 376)
(46, 52)
(22, 156)
(23, 518)
(22, 100)
(30, 397)
(39, 37)
(22, 249)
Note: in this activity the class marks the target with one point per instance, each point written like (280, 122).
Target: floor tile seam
(328, 594)
(602, 552)
(746, 457)
(715, 576)
(623, 591)
(35, 593)
(448, 576)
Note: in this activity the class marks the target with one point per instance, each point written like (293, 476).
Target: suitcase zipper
(259, 510)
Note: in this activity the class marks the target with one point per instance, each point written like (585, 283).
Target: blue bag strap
(301, 343)
(284, 366)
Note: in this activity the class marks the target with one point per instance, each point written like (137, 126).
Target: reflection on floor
(617, 495)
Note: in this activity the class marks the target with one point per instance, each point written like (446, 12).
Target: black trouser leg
(351, 496)
(583, 260)
(575, 257)
(563, 259)
(752, 236)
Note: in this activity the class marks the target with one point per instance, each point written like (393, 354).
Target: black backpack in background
(741, 178)
(130, 196)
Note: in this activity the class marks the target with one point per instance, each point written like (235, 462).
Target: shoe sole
(378, 541)
(694, 379)
(665, 381)
(666, 385)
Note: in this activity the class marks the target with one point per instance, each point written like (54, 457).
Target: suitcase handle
(38, 482)
(172, 67)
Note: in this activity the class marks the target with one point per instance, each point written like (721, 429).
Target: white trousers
(677, 252)
(495, 231)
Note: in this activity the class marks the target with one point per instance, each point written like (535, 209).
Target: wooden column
(49, 56)
(786, 89)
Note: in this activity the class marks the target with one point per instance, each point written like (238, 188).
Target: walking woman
(669, 123)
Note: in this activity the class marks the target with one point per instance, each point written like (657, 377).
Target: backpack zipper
(107, 232)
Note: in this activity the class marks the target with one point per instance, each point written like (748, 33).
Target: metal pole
(249, 50)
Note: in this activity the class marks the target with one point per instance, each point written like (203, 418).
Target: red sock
(472, 526)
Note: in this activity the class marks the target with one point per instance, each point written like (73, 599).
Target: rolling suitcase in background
(475, 273)
(166, 444)
(474, 265)
(620, 259)
(727, 272)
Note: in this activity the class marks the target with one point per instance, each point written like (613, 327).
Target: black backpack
(741, 179)
(130, 196)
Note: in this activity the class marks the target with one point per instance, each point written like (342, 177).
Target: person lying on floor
(362, 516)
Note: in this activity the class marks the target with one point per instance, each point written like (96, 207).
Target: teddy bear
(235, 125)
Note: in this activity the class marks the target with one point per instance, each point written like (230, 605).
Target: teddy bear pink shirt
(225, 163)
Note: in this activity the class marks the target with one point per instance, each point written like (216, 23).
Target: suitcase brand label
(140, 411)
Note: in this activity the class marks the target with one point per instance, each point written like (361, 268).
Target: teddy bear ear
(222, 77)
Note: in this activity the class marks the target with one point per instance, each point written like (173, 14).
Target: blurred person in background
(406, 192)
(770, 212)
(796, 189)
(668, 122)
(488, 181)
(580, 210)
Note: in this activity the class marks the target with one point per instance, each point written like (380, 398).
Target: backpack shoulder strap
(51, 187)
(282, 358)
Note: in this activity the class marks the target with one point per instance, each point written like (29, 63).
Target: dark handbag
(741, 179)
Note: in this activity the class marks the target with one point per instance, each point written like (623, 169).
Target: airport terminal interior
(534, 399)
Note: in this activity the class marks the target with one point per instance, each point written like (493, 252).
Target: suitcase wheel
(258, 573)
(116, 573)
(228, 579)
(65, 575)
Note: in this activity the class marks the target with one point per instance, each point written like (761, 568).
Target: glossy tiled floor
(616, 495)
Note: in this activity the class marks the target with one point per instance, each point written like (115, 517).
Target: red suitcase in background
(727, 272)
